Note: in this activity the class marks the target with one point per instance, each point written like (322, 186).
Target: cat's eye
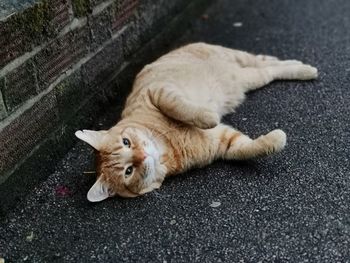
(128, 171)
(126, 142)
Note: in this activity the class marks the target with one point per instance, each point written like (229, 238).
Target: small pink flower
(62, 190)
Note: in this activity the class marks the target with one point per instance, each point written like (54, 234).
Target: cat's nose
(139, 156)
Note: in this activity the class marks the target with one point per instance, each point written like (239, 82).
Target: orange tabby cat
(171, 121)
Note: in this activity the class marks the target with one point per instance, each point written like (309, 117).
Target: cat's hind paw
(276, 140)
(307, 72)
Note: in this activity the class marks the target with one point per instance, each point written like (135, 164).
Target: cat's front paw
(207, 120)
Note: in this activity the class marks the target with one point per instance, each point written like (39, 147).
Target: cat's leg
(232, 144)
(245, 59)
(267, 58)
(176, 106)
(266, 61)
(253, 78)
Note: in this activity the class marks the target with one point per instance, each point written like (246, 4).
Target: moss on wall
(34, 23)
(81, 7)
(37, 18)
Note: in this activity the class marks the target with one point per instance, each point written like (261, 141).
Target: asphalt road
(291, 207)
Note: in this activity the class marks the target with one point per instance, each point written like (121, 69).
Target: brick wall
(61, 60)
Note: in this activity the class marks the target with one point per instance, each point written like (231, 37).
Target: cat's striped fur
(171, 120)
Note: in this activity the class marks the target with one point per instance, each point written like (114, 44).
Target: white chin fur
(152, 161)
(150, 175)
(151, 150)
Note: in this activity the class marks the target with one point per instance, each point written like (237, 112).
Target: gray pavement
(291, 207)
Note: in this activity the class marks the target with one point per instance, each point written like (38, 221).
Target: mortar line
(101, 7)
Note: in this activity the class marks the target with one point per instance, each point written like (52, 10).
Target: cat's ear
(94, 138)
(98, 192)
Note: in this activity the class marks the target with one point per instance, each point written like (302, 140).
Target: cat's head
(128, 162)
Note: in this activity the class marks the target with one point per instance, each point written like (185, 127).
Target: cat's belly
(208, 84)
(219, 94)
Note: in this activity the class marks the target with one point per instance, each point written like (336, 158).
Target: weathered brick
(100, 27)
(147, 13)
(12, 42)
(59, 14)
(70, 93)
(60, 55)
(103, 63)
(20, 86)
(123, 13)
(20, 32)
(3, 112)
(20, 137)
(131, 39)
